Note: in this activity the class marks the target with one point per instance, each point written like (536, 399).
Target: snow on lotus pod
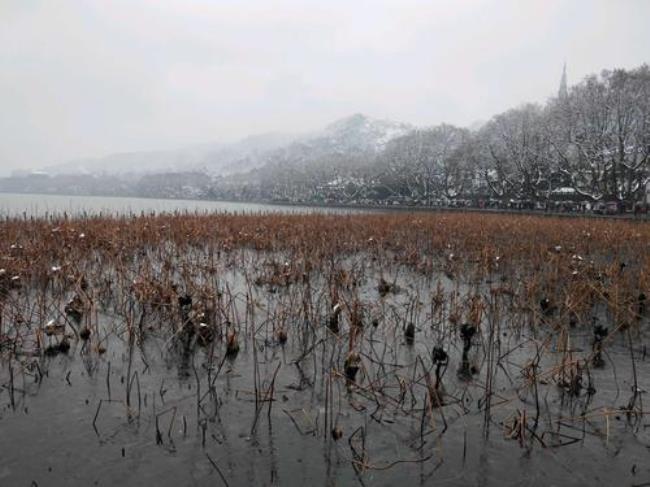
(54, 328)
(205, 333)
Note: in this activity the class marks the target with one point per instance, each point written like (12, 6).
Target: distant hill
(359, 133)
(345, 144)
(132, 162)
(352, 136)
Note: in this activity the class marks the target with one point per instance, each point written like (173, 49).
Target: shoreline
(341, 206)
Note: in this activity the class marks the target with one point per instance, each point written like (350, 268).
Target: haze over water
(44, 205)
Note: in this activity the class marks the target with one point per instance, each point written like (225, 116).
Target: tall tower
(563, 92)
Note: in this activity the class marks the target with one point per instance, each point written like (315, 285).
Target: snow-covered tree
(602, 142)
(430, 163)
(514, 158)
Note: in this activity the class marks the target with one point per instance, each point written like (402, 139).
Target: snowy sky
(86, 78)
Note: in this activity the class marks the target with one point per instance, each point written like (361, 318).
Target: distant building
(563, 91)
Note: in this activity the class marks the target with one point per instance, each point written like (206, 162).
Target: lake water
(108, 378)
(44, 205)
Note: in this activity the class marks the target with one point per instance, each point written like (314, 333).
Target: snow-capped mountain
(343, 145)
(350, 136)
(359, 132)
(144, 162)
(249, 153)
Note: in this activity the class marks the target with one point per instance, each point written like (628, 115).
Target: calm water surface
(44, 205)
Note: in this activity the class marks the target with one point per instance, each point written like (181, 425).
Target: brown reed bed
(358, 330)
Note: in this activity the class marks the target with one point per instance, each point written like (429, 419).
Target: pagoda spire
(563, 92)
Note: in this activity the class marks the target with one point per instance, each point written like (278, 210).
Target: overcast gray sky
(86, 78)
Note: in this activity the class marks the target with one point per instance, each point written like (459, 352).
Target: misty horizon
(86, 80)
